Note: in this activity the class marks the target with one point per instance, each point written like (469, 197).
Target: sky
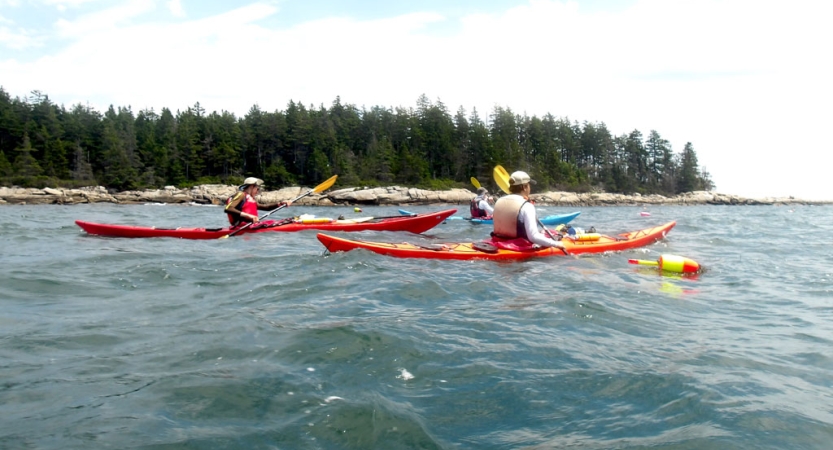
(746, 82)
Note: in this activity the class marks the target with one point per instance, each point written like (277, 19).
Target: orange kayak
(500, 250)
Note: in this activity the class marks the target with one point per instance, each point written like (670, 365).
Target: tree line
(45, 144)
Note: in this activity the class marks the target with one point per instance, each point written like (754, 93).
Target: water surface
(267, 341)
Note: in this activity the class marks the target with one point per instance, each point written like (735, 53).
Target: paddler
(480, 207)
(242, 207)
(515, 217)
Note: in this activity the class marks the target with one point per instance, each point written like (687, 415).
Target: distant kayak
(493, 249)
(415, 224)
(556, 219)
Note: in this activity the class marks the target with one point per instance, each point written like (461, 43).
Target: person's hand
(288, 203)
(253, 218)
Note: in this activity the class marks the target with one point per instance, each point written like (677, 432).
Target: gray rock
(392, 195)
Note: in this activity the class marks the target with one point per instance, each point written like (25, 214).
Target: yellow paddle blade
(326, 184)
(501, 178)
(475, 183)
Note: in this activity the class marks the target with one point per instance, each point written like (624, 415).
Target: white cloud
(744, 81)
(107, 19)
(175, 7)
(19, 39)
(65, 5)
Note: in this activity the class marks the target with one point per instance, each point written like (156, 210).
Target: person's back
(515, 217)
(480, 207)
(506, 217)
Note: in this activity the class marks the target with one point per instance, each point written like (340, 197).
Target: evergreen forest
(45, 144)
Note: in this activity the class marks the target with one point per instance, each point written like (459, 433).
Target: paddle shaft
(269, 213)
(401, 216)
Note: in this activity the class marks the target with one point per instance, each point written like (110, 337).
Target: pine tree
(83, 169)
(688, 178)
(705, 179)
(119, 171)
(504, 136)
(303, 145)
(5, 166)
(659, 157)
(25, 165)
(480, 148)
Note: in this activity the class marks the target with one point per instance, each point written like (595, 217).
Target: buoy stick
(642, 262)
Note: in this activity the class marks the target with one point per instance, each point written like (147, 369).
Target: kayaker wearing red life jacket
(515, 216)
(242, 207)
(480, 207)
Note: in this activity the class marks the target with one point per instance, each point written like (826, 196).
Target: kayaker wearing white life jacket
(515, 216)
(242, 207)
(480, 207)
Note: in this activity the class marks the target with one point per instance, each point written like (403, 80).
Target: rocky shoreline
(394, 195)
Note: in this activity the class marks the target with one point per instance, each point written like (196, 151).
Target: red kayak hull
(465, 251)
(414, 224)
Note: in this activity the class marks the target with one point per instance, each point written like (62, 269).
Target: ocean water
(267, 341)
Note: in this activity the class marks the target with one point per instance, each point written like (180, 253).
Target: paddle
(502, 180)
(475, 183)
(320, 188)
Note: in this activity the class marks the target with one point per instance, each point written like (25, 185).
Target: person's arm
(528, 218)
(486, 206)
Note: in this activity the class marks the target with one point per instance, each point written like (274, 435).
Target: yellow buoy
(671, 263)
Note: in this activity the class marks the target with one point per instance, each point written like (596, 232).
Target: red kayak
(501, 249)
(415, 224)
